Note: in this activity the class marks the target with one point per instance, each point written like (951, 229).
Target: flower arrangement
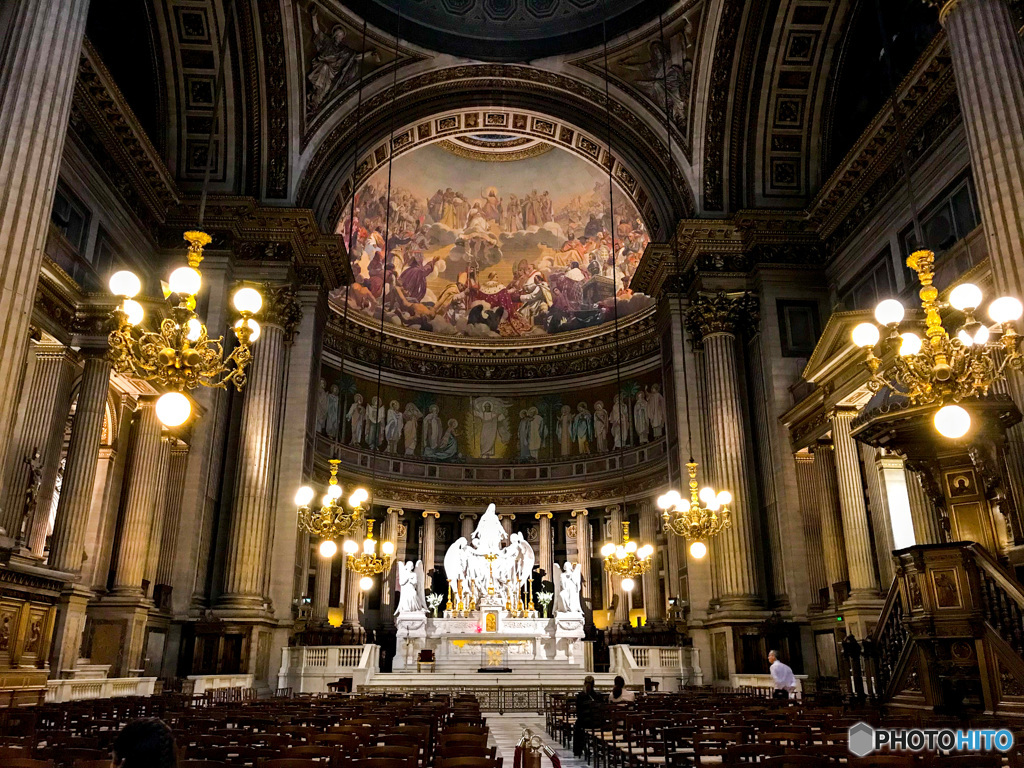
(545, 598)
(434, 600)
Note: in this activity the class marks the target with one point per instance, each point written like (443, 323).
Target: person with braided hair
(145, 743)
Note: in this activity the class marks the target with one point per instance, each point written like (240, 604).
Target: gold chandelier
(627, 560)
(707, 514)
(941, 369)
(333, 520)
(180, 356)
(369, 563)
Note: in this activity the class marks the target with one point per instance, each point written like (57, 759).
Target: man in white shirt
(782, 676)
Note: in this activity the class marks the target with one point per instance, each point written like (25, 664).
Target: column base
(69, 629)
(119, 634)
(243, 607)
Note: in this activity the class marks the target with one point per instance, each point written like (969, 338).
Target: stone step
(557, 680)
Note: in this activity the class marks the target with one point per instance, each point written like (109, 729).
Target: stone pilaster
(322, 587)
(176, 473)
(583, 548)
(246, 558)
(39, 69)
(810, 512)
(350, 589)
(826, 498)
(544, 548)
(156, 528)
(925, 517)
(429, 555)
(46, 403)
(143, 483)
(859, 555)
(650, 522)
(717, 321)
(388, 580)
(878, 509)
(68, 542)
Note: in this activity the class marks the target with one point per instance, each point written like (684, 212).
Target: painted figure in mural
(490, 413)
(524, 435)
(333, 65)
(536, 297)
(656, 410)
(333, 422)
(641, 420)
(374, 422)
(600, 427)
(393, 426)
(448, 447)
(583, 428)
(563, 429)
(620, 423)
(356, 418)
(431, 429)
(412, 416)
(538, 433)
(321, 408)
(513, 219)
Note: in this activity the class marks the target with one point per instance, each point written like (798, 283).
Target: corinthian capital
(281, 308)
(723, 312)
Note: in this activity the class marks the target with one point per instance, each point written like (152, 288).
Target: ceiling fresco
(492, 237)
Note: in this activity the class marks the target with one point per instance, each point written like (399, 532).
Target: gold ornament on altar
(627, 559)
(332, 520)
(369, 563)
(942, 369)
(180, 356)
(705, 516)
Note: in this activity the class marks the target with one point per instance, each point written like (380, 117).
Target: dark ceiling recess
(508, 30)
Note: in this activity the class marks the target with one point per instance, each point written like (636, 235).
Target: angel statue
(567, 589)
(410, 585)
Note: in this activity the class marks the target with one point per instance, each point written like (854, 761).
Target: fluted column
(808, 486)
(68, 541)
(614, 516)
(430, 517)
(716, 321)
(925, 517)
(883, 524)
(583, 548)
(46, 403)
(825, 492)
(388, 579)
(650, 522)
(246, 559)
(141, 482)
(322, 587)
(37, 79)
(545, 552)
(350, 588)
(851, 504)
(507, 519)
(176, 473)
(156, 528)
(468, 521)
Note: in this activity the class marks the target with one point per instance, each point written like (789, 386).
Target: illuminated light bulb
(664, 502)
(713, 505)
(325, 501)
(125, 283)
(981, 335)
(866, 335)
(387, 548)
(369, 546)
(193, 330)
(134, 311)
(334, 491)
(303, 496)
(645, 551)
(965, 296)
(965, 338)
(359, 495)
(173, 409)
(620, 551)
(889, 312)
(724, 498)
(350, 547)
(1005, 309)
(952, 421)
(365, 583)
(254, 328)
(185, 281)
(631, 546)
(328, 548)
(698, 549)
(247, 300)
(910, 344)
(608, 550)
(707, 494)
(628, 584)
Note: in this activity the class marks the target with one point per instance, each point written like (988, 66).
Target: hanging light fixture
(942, 368)
(368, 564)
(627, 559)
(333, 520)
(706, 515)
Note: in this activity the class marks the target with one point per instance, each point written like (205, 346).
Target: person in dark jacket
(587, 707)
(145, 743)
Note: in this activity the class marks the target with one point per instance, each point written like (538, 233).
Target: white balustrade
(78, 689)
(664, 665)
(204, 683)
(309, 669)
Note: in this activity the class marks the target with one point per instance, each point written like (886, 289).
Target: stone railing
(203, 683)
(309, 669)
(669, 666)
(77, 689)
(763, 684)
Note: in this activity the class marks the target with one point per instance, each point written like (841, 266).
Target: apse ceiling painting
(493, 235)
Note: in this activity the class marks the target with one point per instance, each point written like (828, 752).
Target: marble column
(246, 558)
(429, 555)
(350, 589)
(507, 518)
(140, 502)
(156, 528)
(650, 522)
(925, 517)
(859, 557)
(583, 549)
(614, 516)
(717, 321)
(46, 403)
(827, 500)
(322, 587)
(545, 553)
(389, 579)
(882, 521)
(39, 69)
(810, 513)
(176, 473)
(68, 541)
(468, 521)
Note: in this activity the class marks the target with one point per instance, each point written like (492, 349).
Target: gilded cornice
(731, 313)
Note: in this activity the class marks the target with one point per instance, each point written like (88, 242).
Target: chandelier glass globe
(136, 314)
(304, 495)
(965, 296)
(952, 421)
(125, 283)
(173, 409)
(247, 300)
(328, 548)
(910, 344)
(350, 547)
(628, 584)
(866, 335)
(1005, 309)
(365, 583)
(698, 550)
(185, 281)
(889, 312)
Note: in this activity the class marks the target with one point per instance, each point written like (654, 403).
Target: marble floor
(507, 730)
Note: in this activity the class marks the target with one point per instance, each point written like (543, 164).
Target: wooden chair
(750, 754)
(198, 764)
(88, 763)
(965, 761)
(797, 761)
(408, 753)
(426, 659)
(25, 762)
(468, 762)
(710, 747)
(288, 762)
(886, 761)
(381, 762)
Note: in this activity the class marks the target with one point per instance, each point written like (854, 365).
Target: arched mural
(493, 235)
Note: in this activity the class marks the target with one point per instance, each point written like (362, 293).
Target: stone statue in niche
(567, 581)
(35, 479)
(334, 64)
(332, 422)
(412, 417)
(656, 410)
(356, 415)
(601, 427)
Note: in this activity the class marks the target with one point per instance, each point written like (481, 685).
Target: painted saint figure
(431, 429)
(374, 420)
(601, 427)
(656, 410)
(393, 426)
(583, 428)
(640, 417)
(563, 429)
(333, 421)
(321, 408)
(524, 435)
(356, 418)
(412, 417)
(538, 432)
